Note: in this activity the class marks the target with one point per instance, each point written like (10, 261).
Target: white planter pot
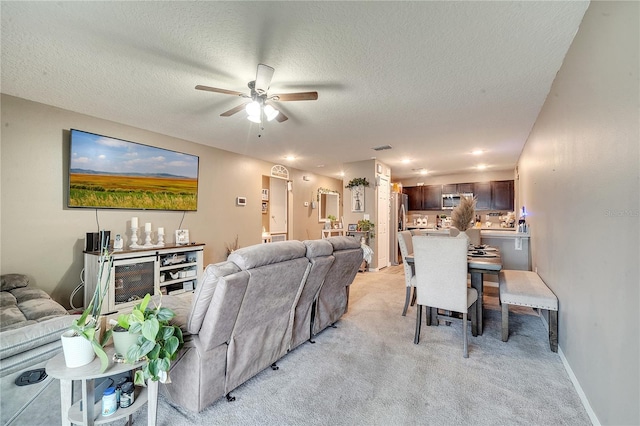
(123, 340)
(77, 350)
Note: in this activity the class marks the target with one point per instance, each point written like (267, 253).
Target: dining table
(481, 260)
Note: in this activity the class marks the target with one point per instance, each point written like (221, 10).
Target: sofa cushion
(11, 317)
(29, 293)
(204, 293)
(266, 254)
(11, 281)
(316, 248)
(7, 299)
(40, 309)
(34, 335)
(344, 243)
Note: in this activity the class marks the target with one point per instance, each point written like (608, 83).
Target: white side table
(91, 414)
(326, 233)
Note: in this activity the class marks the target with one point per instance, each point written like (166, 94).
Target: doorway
(382, 237)
(278, 211)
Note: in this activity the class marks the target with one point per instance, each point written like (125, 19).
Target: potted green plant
(81, 342)
(160, 341)
(366, 225)
(357, 182)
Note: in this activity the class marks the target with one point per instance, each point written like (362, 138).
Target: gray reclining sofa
(250, 310)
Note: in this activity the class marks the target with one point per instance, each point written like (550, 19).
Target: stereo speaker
(93, 240)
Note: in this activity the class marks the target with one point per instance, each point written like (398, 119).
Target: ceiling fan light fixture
(253, 109)
(254, 118)
(270, 112)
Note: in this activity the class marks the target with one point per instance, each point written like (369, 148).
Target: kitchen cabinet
(427, 197)
(457, 188)
(415, 197)
(450, 188)
(502, 195)
(432, 198)
(494, 195)
(482, 192)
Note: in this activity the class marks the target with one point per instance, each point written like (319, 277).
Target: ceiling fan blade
(281, 117)
(263, 78)
(215, 89)
(301, 96)
(234, 110)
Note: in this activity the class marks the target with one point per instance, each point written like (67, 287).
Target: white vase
(123, 340)
(77, 350)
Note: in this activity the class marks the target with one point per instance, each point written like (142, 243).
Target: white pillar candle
(160, 231)
(147, 227)
(134, 222)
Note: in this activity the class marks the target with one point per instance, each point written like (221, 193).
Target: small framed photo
(265, 207)
(352, 227)
(182, 236)
(265, 195)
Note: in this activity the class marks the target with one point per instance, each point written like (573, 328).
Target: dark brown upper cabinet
(482, 192)
(502, 195)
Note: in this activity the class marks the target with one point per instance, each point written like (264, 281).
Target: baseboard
(574, 380)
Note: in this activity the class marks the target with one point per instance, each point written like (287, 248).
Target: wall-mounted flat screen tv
(110, 173)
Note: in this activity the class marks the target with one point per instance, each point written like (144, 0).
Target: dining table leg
(476, 282)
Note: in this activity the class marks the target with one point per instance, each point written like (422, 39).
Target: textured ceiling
(435, 80)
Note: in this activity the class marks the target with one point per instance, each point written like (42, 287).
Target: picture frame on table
(182, 237)
(352, 227)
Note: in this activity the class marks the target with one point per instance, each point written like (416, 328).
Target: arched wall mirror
(328, 204)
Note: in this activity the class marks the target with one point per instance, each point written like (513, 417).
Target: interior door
(382, 227)
(278, 206)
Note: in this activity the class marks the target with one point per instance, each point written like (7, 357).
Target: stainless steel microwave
(449, 201)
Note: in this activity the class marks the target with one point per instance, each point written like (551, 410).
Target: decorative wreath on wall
(357, 182)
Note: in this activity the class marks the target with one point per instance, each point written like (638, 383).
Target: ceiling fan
(261, 104)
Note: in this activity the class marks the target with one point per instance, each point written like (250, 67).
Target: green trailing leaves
(160, 341)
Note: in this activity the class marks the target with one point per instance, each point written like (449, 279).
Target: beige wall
(44, 239)
(579, 179)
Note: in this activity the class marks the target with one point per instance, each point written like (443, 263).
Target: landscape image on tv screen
(106, 172)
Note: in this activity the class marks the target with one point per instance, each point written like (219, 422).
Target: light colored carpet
(368, 371)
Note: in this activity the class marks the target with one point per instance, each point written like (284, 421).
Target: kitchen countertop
(484, 232)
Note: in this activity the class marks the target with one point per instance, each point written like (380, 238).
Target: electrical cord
(75, 290)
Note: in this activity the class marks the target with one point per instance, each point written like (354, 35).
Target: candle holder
(147, 240)
(134, 238)
(160, 240)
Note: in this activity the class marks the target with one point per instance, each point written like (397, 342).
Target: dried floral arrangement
(464, 213)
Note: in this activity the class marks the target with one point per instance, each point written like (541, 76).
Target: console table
(91, 414)
(326, 233)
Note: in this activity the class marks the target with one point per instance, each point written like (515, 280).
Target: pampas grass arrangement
(464, 214)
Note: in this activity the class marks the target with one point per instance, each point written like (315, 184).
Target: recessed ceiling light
(290, 158)
(423, 171)
(320, 165)
(406, 160)
(477, 152)
(341, 174)
(481, 166)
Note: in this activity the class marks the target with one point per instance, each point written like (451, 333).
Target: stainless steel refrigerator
(398, 222)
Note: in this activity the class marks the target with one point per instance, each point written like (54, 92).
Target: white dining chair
(441, 281)
(406, 248)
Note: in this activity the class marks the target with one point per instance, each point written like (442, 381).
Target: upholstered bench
(526, 288)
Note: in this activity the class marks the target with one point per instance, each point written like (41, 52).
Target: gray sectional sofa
(249, 311)
(30, 324)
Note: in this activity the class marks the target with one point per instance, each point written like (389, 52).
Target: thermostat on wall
(241, 201)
